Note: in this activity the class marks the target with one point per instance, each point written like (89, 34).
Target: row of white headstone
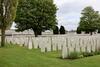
(53, 43)
(81, 44)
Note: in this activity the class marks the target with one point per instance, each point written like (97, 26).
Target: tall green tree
(89, 20)
(78, 31)
(62, 30)
(56, 30)
(38, 15)
(7, 16)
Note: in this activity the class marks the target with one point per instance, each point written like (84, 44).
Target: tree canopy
(89, 20)
(7, 12)
(38, 15)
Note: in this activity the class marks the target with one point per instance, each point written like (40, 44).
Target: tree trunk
(39, 32)
(91, 33)
(3, 28)
(36, 33)
(2, 36)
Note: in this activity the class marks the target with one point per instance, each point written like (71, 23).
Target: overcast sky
(69, 11)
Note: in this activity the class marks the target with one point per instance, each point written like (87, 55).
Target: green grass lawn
(14, 56)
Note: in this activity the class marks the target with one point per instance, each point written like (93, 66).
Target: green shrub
(97, 53)
(74, 55)
(87, 54)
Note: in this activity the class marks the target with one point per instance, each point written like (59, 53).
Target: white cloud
(69, 11)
